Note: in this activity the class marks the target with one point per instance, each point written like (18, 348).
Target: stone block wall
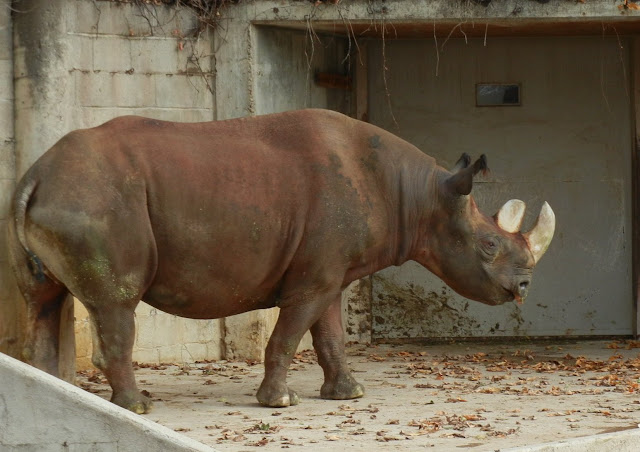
(125, 60)
(78, 64)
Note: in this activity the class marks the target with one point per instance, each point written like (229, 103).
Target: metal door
(568, 142)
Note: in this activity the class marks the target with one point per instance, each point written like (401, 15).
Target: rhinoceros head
(482, 258)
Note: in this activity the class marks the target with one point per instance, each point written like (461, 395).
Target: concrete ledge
(39, 412)
(625, 441)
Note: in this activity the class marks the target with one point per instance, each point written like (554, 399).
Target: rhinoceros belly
(209, 300)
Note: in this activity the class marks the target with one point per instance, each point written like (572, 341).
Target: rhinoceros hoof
(343, 389)
(138, 403)
(277, 399)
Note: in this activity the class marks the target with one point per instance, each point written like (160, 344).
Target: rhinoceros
(207, 220)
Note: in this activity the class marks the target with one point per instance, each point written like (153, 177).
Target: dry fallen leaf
(262, 442)
(374, 357)
(631, 5)
(489, 390)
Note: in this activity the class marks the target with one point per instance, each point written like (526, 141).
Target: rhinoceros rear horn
(539, 237)
(461, 181)
(509, 217)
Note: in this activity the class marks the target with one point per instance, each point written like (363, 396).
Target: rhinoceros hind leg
(43, 329)
(328, 341)
(113, 331)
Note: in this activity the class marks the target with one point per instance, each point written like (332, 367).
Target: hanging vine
(208, 12)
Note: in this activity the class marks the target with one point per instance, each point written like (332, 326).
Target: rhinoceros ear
(463, 162)
(461, 182)
(540, 236)
(509, 217)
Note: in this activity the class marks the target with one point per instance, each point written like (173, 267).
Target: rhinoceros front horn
(540, 236)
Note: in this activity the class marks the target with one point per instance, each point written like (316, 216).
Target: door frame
(635, 177)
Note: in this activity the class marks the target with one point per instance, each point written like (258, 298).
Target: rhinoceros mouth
(511, 296)
(514, 295)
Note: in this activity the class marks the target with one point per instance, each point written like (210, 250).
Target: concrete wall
(285, 65)
(39, 413)
(342, 16)
(78, 63)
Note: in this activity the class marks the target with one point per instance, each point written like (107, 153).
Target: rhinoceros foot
(136, 402)
(277, 397)
(342, 388)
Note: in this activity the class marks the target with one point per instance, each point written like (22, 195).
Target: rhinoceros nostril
(521, 291)
(523, 288)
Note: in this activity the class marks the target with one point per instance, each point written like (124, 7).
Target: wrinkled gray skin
(214, 219)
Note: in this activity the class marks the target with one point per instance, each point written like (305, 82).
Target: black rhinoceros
(213, 219)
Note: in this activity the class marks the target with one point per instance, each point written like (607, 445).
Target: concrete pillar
(44, 90)
(10, 307)
(234, 56)
(245, 335)
(43, 111)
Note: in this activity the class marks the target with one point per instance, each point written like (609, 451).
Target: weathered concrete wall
(282, 78)
(285, 64)
(40, 413)
(78, 63)
(344, 15)
(10, 320)
(98, 60)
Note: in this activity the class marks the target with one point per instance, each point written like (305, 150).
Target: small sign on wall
(497, 94)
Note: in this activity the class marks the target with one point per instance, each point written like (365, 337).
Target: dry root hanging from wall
(207, 11)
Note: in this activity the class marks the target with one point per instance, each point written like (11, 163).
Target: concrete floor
(439, 397)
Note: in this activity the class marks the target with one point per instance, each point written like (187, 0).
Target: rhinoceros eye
(490, 245)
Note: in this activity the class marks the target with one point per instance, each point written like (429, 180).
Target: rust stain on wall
(358, 311)
(410, 311)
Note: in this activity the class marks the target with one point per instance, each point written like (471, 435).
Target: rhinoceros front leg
(328, 341)
(113, 328)
(294, 320)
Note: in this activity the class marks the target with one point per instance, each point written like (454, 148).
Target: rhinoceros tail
(20, 203)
